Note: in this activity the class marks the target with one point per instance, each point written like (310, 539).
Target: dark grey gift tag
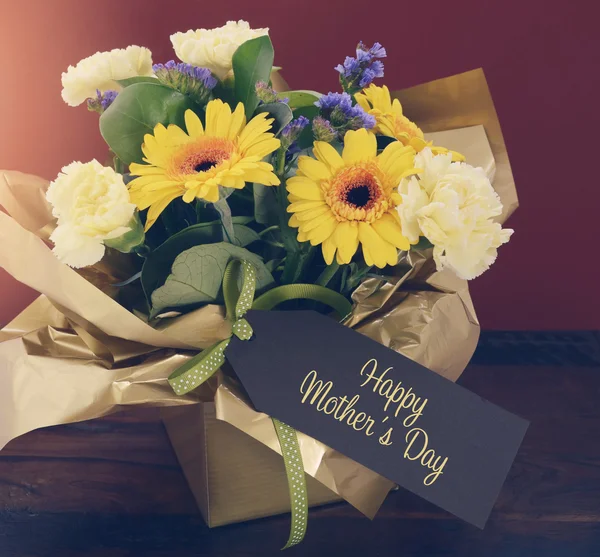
(392, 415)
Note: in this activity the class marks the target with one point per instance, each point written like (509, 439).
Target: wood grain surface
(113, 488)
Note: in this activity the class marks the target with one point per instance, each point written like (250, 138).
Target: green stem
(270, 229)
(222, 208)
(274, 244)
(328, 273)
(292, 263)
(280, 164)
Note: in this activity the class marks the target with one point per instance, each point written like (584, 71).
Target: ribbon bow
(202, 366)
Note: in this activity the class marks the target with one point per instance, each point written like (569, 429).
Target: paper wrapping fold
(77, 354)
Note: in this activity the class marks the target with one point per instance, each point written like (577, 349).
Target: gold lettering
(387, 385)
(438, 470)
(328, 404)
(417, 411)
(426, 455)
(315, 384)
(386, 438)
(341, 408)
(371, 374)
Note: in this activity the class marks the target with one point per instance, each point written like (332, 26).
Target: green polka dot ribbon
(294, 468)
(197, 370)
(237, 302)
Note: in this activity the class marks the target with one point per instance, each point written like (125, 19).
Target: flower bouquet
(224, 188)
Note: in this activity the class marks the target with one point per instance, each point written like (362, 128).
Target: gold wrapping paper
(462, 101)
(76, 354)
(233, 477)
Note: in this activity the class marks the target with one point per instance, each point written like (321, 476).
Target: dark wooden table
(113, 488)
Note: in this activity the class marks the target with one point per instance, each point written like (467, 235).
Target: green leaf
(273, 264)
(252, 62)
(281, 112)
(130, 240)
(306, 138)
(197, 275)
(135, 112)
(158, 264)
(266, 208)
(137, 79)
(301, 99)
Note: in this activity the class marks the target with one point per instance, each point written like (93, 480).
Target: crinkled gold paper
(76, 354)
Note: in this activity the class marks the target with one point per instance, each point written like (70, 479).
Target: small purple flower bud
(187, 79)
(290, 133)
(267, 94)
(357, 73)
(102, 101)
(338, 110)
(323, 130)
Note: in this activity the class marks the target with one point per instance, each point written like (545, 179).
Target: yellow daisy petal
(328, 155)
(314, 169)
(307, 226)
(262, 148)
(238, 121)
(304, 189)
(329, 249)
(218, 118)
(313, 213)
(394, 153)
(390, 230)
(304, 205)
(359, 145)
(381, 252)
(157, 208)
(143, 198)
(261, 176)
(346, 240)
(320, 233)
(254, 130)
(193, 125)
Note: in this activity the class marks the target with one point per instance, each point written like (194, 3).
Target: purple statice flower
(187, 79)
(107, 98)
(338, 110)
(290, 133)
(323, 130)
(266, 94)
(102, 101)
(358, 73)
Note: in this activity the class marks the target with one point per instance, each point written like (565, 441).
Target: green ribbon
(200, 368)
(237, 302)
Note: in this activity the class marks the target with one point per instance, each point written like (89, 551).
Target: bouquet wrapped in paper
(379, 206)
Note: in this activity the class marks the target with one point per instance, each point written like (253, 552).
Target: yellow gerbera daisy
(341, 201)
(392, 122)
(193, 165)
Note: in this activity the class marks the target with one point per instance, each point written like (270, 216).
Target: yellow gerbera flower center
(356, 193)
(202, 155)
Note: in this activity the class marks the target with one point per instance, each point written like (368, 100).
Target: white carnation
(214, 48)
(91, 203)
(453, 205)
(101, 70)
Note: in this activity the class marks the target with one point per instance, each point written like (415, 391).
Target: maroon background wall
(540, 58)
